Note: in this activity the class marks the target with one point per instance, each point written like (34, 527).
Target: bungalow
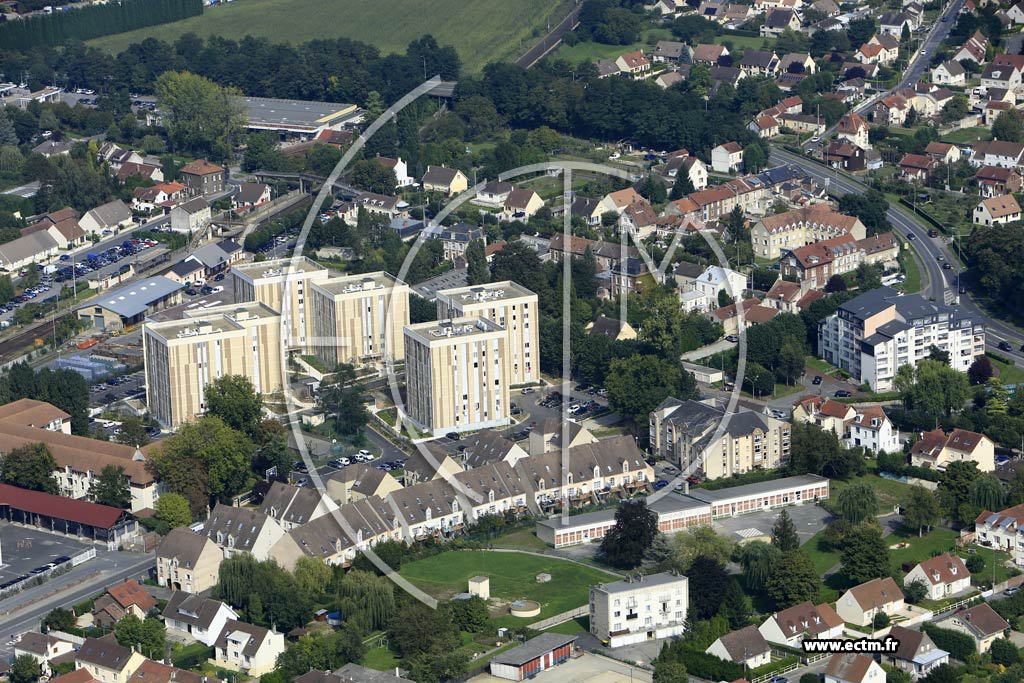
(982, 623)
(447, 181)
(860, 604)
(872, 430)
(727, 158)
(110, 216)
(635, 64)
(996, 210)
(790, 626)
(917, 167)
(935, 450)
(196, 618)
(945, 575)
(746, 647)
(253, 650)
(853, 668)
(949, 73)
(778, 21)
(993, 181)
(916, 653)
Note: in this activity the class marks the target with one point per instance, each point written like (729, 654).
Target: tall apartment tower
(457, 375)
(359, 318)
(183, 356)
(267, 283)
(512, 307)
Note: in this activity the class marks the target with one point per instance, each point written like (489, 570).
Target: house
(943, 152)
(335, 138)
(827, 7)
(192, 216)
(53, 148)
(203, 178)
(974, 49)
(796, 62)
(121, 600)
(996, 210)
(110, 216)
(779, 20)
(895, 23)
(116, 156)
(196, 618)
(293, 506)
(358, 480)
(892, 110)
(992, 110)
(994, 180)
(916, 654)
(618, 201)
(853, 128)
(860, 604)
(456, 238)
(639, 608)
(144, 171)
(42, 648)
(493, 194)
(936, 449)
(1000, 74)
(945, 575)
(447, 181)
(66, 231)
(764, 126)
(822, 411)
(949, 73)
(611, 328)
(752, 311)
(746, 646)
(242, 530)
(688, 165)
(759, 63)
(982, 623)
(106, 661)
(1016, 13)
(157, 672)
(670, 51)
(548, 436)
(187, 561)
(400, 168)
(818, 262)
(845, 155)
(379, 204)
(999, 530)
(666, 79)
(606, 68)
(727, 158)
(917, 168)
(635, 64)
(253, 650)
(853, 668)
(806, 620)
(250, 195)
(888, 50)
(872, 430)
(1002, 153)
(715, 280)
(709, 54)
(163, 195)
(774, 234)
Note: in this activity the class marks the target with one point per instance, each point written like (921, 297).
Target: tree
(343, 398)
(133, 432)
(915, 591)
(980, 371)
(477, 272)
(921, 510)
(955, 109)
(173, 509)
(754, 158)
(955, 490)
(373, 176)
(758, 560)
(25, 669)
(637, 384)
(670, 671)
(635, 527)
(865, 555)
(417, 629)
(199, 115)
(793, 581)
(682, 186)
(784, 533)
(857, 502)
(312, 575)
(1004, 652)
(111, 487)
(234, 400)
(987, 492)
(659, 555)
(59, 620)
(688, 545)
(880, 620)
(1009, 126)
(147, 635)
(469, 615)
(736, 606)
(708, 583)
(29, 467)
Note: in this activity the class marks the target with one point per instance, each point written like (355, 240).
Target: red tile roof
(80, 511)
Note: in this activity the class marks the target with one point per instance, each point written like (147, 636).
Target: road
(550, 41)
(927, 251)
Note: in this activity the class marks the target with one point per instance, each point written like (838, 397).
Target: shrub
(959, 645)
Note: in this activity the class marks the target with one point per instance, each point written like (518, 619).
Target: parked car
(843, 393)
(732, 338)
(660, 484)
(453, 436)
(1005, 346)
(816, 380)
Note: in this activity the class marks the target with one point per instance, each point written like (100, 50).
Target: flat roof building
(128, 306)
(457, 374)
(183, 356)
(511, 306)
(277, 281)
(639, 608)
(296, 117)
(533, 656)
(358, 319)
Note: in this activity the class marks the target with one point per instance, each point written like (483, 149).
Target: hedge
(710, 667)
(959, 645)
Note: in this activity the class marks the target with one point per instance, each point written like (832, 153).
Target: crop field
(481, 30)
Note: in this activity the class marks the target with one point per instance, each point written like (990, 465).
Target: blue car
(660, 484)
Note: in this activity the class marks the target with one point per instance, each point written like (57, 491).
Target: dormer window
(597, 472)
(490, 496)
(625, 466)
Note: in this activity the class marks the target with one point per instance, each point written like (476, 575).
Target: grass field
(482, 31)
(1008, 374)
(381, 659)
(513, 576)
(588, 51)
(965, 135)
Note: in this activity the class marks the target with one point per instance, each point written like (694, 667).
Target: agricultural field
(481, 30)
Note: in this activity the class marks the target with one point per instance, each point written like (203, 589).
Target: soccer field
(481, 30)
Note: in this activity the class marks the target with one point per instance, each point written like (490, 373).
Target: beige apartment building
(183, 356)
(457, 375)
(511, 306)
(639, 608)
(276, 282)
(359, 318)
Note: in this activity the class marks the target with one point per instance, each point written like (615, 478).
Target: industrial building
(123, 308)
(296, 118)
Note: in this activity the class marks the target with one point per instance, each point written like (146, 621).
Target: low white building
(639, 608)
(806, 620)
(853, 668)
(727, 158)
(716, 279)
(945, 575)
(860, 604)
(197, 618)
(253, 650)
(746, 646)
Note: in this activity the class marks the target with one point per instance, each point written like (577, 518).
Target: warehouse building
(296, 118)
(123, 308)
(533, 656)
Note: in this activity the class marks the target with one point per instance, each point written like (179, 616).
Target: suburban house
(634, 63)
(42, 648)
(521, 205)
(670, 51)
(853, 128)
(242, 530)
(853, 668)
(759, 63)
(250, 195)
(163, 195)
(822, 411)
(187, 561)
(895, 23)
(917, 168)
(253, 650)
(872, 430)
(997, 210)
(203, 178)
(974, 49)
(447, 181)
(144, 171)
(401, 169)
(705, 53)
(779, 20)
(106, 661)
(121, 600)
(945, 575)
(715, 280)
(936, 449)
(792, 625)
(949, 73)
(727, 158)
(110, 216)
(845, 155)
(860, 604)
(995, 180)
(197, 618)
(191, 216)
(943, 152)
(999, 530)
(493, 194)
(916, 654)
(359, 480)
(746, 646)
(1002, 153)
(982, 623)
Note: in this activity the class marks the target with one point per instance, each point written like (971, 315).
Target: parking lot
(118, 388)
(25, 549)
(808, 520)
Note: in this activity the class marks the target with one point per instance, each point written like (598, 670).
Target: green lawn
(577, 625)
(589, 51)
(523, 539)
(482, 31)
(965, 135)
(889, 492)
(1008, 374)
(513, 576)
(740, 43)
(819, 365)
(913, 272)
(381, 659)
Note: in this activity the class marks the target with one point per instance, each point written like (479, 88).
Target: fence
(42, 577)
(559, 618)
(778, 672)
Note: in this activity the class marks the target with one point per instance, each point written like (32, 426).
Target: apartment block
(511, 306)
(182, 356)
(283, 285)
(874, 334)
(639, 608)
(457, 375)
(359, 318)
(702, 437)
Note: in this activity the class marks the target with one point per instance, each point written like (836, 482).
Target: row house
(818, 262)
(936, 450)
(917, 168)
(774, 234)
(998, 530)
(994, 180)
(1000, 153)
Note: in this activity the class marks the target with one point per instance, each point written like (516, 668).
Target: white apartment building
(716, 279)
(457, 375)
(359, 318)
(639, 608)
(874, 334)
(182, 356)
(283, 285)
(511, 306)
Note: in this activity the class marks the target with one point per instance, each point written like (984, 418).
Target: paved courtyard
(23, 549)
(808, 520)
(589, 668)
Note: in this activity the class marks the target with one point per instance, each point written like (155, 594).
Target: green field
(965, 135)
(482, 31)
(513, 576)
(588, 51)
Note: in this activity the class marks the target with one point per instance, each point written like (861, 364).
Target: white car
(218, 289)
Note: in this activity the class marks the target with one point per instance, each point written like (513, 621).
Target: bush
(810, 678)
(1004, 652)
(975, 563)
(959, 645)
(881, 620)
